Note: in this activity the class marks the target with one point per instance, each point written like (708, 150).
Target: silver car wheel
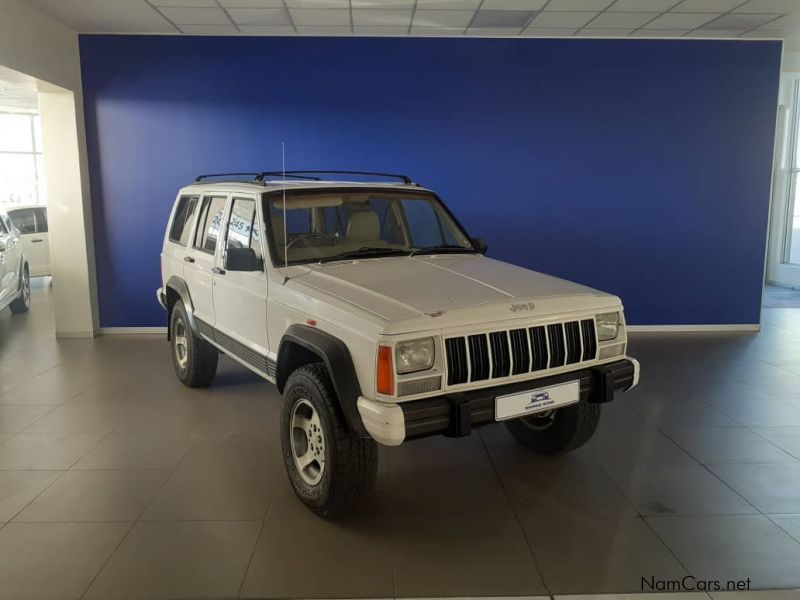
(308, 442)
(181, 343)
(26, 288)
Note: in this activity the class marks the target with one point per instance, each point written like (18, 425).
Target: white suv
(15, 282)
(379, 319)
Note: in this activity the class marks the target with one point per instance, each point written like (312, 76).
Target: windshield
(328, 225)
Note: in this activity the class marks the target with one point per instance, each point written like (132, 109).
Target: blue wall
(640, 167)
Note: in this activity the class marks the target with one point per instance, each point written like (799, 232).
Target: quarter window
(181, 223)
(24, 220)
(209, 223)
(243, 230)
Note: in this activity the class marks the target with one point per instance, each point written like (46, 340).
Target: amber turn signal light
(385, 371)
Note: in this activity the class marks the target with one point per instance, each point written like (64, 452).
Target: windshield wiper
(442, 249)
(365, 252)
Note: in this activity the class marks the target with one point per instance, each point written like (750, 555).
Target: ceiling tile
(764, 34)
(548, 32)
(209, 29)
(769, 6)
(266, 30)
(660, 33)
(313, 30)
(591, 32)
(787, 22)
(450, 4)
(318, 4)
(194, 3)
(492, 32)
(578, 4)
(438, 31)
(502, 18)
(379, 31)
(260, 16)
(331, 17)
(442, 18)
(681, 20)
(642, 5)
(621, 20)
(114, 16)
(739, 21)
(715, 33)
(250, 3)
(707, 5)
(196, 16)
(563, 19)
(383, 18)
(383, 4)
(513, 4)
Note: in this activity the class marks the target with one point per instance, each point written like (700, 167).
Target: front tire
(559, 431)
(194, 359)
(23, 303)
(329, 466)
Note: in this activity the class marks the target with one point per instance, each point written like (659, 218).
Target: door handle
(218, 271)
(188, 259)
(36, 241)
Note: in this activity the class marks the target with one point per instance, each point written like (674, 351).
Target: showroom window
(791, 244)
(21, 163)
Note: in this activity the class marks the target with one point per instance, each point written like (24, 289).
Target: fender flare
(334, 353)
(179, 286)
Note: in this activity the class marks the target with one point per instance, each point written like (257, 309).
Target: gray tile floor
(115, 481)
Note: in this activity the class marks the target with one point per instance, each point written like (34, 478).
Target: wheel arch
(176, 289)
(302, 345)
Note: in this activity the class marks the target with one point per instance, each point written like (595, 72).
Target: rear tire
(329, 466)
(23, 303)
(565, 429)
(194, 359)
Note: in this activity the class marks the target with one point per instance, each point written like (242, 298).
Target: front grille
(483, 356)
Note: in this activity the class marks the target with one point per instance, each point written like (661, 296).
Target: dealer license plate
(538, 400)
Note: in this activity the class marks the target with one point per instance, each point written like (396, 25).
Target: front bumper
(456, 414)
(162, 298)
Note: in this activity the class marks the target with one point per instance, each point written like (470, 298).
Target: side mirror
(480, 245)
(242, 259)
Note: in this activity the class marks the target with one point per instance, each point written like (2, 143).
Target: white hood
(425, 292)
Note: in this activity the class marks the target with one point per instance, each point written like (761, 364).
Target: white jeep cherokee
(379, 319)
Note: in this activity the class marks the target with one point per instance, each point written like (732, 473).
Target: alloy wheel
(307, 441)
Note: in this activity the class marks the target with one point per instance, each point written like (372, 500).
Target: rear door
(43, 231)
(201, 257)
(175, 254)
(33, 244)
(240, 296)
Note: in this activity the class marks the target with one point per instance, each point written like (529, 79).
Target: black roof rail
(302, 174)
(200, 178)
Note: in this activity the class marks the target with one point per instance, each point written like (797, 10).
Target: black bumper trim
(456, 414)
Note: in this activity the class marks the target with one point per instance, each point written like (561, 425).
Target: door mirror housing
(242, 259)
(480, 245)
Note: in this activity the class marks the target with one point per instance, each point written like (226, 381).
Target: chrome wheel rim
(307, 441)
(181, 343)
(26, 288)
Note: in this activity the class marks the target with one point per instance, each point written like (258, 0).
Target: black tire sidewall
(572, 427)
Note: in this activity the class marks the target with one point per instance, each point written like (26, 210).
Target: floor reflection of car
(15, 283)
(31, 222)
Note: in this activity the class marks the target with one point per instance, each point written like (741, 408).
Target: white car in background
(31, 222)
(15, 282)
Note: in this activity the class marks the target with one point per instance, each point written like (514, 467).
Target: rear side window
(24, 220)
(41, 220)
(209, 223)
(182, 222)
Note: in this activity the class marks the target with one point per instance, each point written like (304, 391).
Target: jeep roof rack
(307, 174)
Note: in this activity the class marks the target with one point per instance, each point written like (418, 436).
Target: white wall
(36, 45)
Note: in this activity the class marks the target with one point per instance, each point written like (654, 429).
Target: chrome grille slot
(520, 352)
(572, 332)
(508, 353)
(501, 360)
(478, 357)
(538, 348)
(555, 341)
(589, 339)
(456, 349)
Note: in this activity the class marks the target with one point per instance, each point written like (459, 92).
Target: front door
(201, 257)
(9, 262)
(32, 226)
(240, 296)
